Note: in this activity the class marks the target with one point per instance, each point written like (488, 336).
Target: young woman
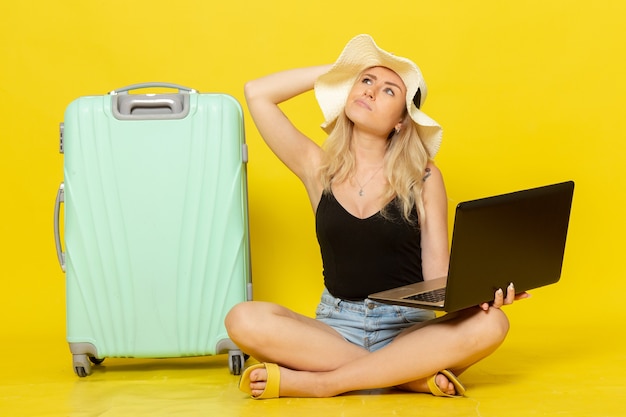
(381, 220)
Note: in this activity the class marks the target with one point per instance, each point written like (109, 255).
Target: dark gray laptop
(517, 237)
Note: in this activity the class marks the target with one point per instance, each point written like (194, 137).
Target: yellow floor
(537, 372)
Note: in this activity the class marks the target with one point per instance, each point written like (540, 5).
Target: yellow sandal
(436, 391)
(272, 384)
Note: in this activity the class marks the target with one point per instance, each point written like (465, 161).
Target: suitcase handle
(125, 90)
(130, 105)
(57, 233)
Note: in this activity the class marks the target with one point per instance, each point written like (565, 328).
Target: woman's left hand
(501, 299)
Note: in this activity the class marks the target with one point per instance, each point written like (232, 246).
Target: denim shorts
(367, 323)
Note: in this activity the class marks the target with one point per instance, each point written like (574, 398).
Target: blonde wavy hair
(404, 164)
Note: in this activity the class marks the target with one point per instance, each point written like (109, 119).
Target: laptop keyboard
(434, 296)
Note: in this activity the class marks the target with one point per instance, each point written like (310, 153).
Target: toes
(258, 375)
(260, 385)
(445, 385)
(257, 392)
(258, 382)
(257, 388)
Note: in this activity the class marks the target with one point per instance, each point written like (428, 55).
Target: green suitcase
(155, 224)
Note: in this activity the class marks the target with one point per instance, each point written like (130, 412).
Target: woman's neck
(369, 150)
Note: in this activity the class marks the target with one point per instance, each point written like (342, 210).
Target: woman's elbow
(251, 90)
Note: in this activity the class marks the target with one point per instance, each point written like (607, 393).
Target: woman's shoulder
(434, 186)
(432, 170)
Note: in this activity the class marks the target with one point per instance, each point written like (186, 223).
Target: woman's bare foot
(445, 385)
(258, 381)
(292, 383)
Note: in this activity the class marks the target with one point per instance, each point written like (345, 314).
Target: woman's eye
(390, 91)
(367, 81)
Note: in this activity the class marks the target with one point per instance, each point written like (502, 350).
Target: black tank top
(363, 256)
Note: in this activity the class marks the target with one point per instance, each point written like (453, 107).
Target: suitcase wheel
(82, 366)
(236, 360)
(96, 361)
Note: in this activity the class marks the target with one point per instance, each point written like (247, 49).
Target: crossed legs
(316, 361)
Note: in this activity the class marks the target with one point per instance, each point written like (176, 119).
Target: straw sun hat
(360, 53)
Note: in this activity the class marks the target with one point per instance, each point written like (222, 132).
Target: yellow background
(528, 92)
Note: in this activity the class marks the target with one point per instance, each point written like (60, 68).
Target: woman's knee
(246, 319)
(495, 326)
(487, 329)
(238, 320)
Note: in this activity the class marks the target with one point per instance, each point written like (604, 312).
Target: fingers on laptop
(498, 301)
(501, 299)
(510, 294)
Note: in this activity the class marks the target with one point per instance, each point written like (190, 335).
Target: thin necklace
(366, 182)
